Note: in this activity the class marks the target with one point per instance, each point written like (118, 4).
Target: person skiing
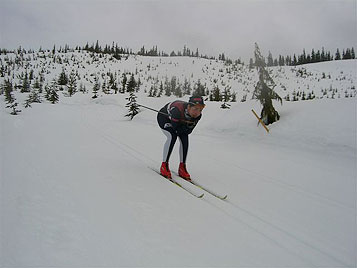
(178, 119)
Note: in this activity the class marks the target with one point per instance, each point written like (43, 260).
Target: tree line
(306, 58)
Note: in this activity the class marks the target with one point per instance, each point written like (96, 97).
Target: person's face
(195, 111)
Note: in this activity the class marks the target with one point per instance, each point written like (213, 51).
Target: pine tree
(338, 55)
(226, 96)
(9, 98)
(63, 78)
(123, 83)
(264, 90)
(131, 84)
(186, 87)
(132, 105)
(199, 89)
(34, 97)
(251, 64)
(51, 92)
(216, 94)
(72, 84)
(167, 87)
(112, 84)
(25, 84)
(105, 87)
(270, 60)
(152, 92)
(53, 98)
(161, 90)
(96, 88)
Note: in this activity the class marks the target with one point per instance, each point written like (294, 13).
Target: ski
(205, 189)
(186, 189)
(180, 185)
(209, 191)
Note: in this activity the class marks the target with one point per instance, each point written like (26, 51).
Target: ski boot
(165, 171)
(183, 172)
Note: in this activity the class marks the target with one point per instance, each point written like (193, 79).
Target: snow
(77, 189)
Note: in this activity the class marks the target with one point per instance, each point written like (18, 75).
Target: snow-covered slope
(335, 79)
(78, 189)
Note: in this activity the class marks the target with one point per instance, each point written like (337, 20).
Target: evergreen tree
(264, 90)
(53, 98)
(131, 84)
(37, 85)
(51, 92)
(199, 89)
(112, 84)
(270, 60)
(152, 92)
(10, 98)
(125, 79)
(25, 84)
(234, 97)
(186, 87)
(72, 84)
(34, 97)
(216, 94)
(132, 105)
(251, 64)
(226, 96)
(96, 88)
(161, 90)
(167, 87)
(63, 78)
(337, 55)
(105, 87)
(31, 75)
(347, 55)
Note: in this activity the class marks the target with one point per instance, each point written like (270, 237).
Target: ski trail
(288, 235)
(290, 187)
(259, 231)
(256, 223)
(129, 150)
(313, 195)
(286, 240)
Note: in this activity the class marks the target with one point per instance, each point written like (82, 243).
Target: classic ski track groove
(288, 234)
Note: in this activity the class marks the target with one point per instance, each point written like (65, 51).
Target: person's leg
(169, 144)
(183, 155)
(183, 148)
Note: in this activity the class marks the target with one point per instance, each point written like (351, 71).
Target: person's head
(195, 106)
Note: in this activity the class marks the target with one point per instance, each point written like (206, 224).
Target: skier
(178, 119)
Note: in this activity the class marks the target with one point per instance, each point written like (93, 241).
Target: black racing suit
(175, 121)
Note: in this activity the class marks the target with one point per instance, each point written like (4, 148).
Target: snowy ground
(77, 189)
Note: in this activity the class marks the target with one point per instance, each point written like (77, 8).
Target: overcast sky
(280, 26)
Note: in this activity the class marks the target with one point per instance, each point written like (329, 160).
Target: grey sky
(282, 27)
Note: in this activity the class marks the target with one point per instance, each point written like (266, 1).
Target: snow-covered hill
(334, 79)
(78, 189)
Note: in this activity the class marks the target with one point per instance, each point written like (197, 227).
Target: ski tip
(224, 197)
(200, 196)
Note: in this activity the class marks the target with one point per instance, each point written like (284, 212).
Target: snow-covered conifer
(132, 105)
(10, 98)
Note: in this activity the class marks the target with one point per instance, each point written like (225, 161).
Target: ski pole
(148, 108)
(152, 109)
(260, 121)
(185, 121)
